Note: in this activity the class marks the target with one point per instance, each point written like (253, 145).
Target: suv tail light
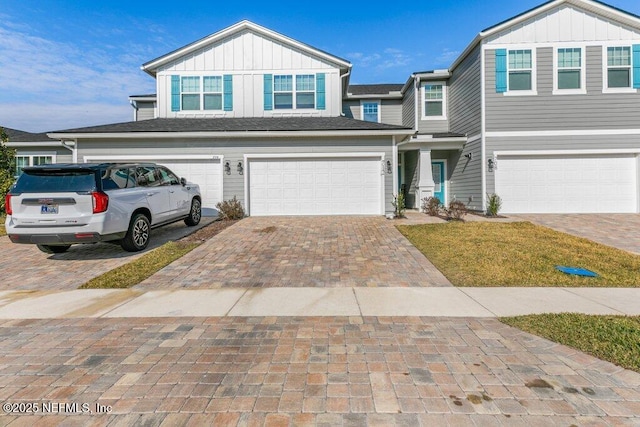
(7, 204)
(100, 202)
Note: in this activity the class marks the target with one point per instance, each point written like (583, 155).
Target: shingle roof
(374, 89)
(22, 136)
(237, 125)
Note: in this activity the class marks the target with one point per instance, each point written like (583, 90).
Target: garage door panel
(567, 184)
(317, 186)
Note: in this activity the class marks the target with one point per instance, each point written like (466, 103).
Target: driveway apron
(302, 252)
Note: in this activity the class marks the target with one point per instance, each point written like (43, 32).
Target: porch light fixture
(388, 164)
(240, 168)
(490, 165)
(227, 168)
(469, 156)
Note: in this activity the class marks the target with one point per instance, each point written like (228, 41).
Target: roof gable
(245, 35)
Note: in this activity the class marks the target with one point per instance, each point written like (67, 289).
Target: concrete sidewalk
(428, 302)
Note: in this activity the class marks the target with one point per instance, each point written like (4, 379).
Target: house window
(371, 111)
(23, 160)
(570, 70)
(212, 92)
(306, 91)
(619, 67)
(283, 92)
(434, 95)
(190, 91)
(520, 70)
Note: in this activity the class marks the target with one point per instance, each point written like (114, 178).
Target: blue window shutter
(228, 92)
(320, 93)
(636, 66)
(268, 92)
(501, 70)
(175, 93)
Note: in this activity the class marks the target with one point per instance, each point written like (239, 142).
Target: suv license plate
(49, 209)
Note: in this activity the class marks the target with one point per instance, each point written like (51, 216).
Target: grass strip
(3, 232)
(612, 338)
(141, 268)
(519, 254)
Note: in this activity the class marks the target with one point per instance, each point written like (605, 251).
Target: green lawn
(519, 254)
(136, 271)
(3, 232)
(612, 338)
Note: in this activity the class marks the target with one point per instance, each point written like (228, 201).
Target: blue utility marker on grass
(576, 271)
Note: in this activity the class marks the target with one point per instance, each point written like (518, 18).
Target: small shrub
(494, 204)
(456, 210)
(230, 209)
(399, 204)
(431, 206)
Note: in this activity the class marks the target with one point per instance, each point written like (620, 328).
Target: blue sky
(70, 63)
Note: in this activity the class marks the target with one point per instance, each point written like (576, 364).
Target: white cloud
(447, 56)
(49, 85)
(389, 58)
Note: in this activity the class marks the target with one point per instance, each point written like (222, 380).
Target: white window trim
(32, 154)
(371, 101)
(294, 91)
(445, 94)
(583, 72)
(605, 70)
(534, 73)
(201, 93)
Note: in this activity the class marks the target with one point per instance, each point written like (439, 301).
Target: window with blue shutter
(228, 92)
(268, 92)
(175, 93)
(501, 70)
(636, 66)
(320, 91)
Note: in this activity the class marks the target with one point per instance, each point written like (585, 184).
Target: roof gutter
(232, 135)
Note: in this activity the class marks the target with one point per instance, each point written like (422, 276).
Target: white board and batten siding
(248, 56)
(204, 170)
(602, 183)
(564, 24)
(315, 185)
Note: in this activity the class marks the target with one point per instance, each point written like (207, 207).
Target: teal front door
(438, 169)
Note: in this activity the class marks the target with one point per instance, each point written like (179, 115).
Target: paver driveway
(288, 371)
(24, 267)
(302, 252)
(621, 231)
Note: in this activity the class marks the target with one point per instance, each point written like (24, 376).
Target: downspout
(416, 94)
(73, 147)
(134, 104)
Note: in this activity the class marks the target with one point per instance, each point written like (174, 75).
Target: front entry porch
(425, 167)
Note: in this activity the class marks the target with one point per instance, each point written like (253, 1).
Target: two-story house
(542, 109)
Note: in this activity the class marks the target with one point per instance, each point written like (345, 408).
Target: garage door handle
(171, 191)
(151, 194)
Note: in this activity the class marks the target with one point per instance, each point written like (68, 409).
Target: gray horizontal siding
(546, 111)
(390, 111)
(465, 176)
(145, 111)
(594, 142)
(234, 150)
(465, 96)
(409, 108)
(63, 155)
(351, 109)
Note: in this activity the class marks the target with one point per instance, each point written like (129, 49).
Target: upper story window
(520, 70)
(570, 75)
(291, 91)
(284, 91)
(434, 97)
(371, 111)
(619, 67)
(198, 93)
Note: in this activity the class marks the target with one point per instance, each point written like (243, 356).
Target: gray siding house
(542, 109)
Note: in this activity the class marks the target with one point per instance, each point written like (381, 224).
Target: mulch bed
(208, 231)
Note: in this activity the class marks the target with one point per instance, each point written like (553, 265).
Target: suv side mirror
(183, 181)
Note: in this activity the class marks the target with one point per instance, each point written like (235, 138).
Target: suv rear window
(55, 181)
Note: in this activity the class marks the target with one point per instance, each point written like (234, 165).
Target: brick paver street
(308, 371)
(302, 251)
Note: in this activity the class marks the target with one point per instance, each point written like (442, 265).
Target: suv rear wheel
(194, 214)
(137, 237)
(53, 249)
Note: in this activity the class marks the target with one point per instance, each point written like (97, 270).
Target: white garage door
(568, 184)
(318, 186)
(207, 173)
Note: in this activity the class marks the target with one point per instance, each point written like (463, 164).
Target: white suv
(55, 206)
